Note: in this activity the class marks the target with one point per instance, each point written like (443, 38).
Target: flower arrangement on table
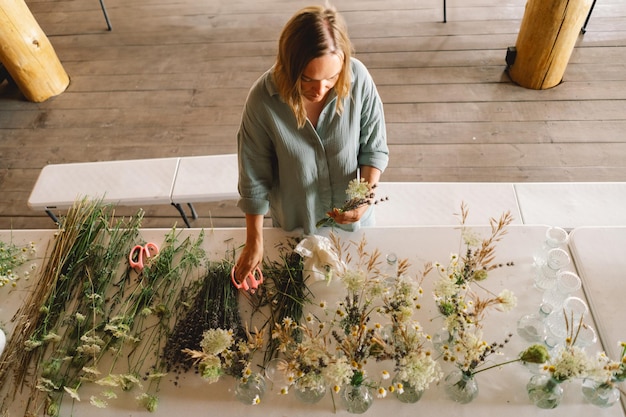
(374, 321)
(566, 363)
(612, 371)
(309, 365)
(222, 353)
(456, 294)
(601, 388)
(406, 342)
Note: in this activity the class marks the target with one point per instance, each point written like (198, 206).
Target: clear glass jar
(250, 390)
(408, 394)
(600, 394)
(310, 391)
(356, 399)
(544, 391)
(460, 386)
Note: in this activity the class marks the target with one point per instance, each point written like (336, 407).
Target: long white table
(572, 204)
(600, 256)
(502, 390)
(435, 203)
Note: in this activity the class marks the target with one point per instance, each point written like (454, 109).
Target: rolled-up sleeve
(373, 149)
(255, 156)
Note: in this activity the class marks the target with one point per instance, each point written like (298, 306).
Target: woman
(312, 123)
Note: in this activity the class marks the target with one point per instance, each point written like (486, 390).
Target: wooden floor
(171, 78)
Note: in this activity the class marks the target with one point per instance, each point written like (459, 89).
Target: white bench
(172, 181)
(187, 180)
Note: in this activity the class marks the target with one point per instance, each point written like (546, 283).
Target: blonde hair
(311, 33)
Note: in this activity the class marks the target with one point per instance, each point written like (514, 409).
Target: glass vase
(441, 340)
(544, 391)
(601, 394)
(409, 394)
(311, 392)
(356, 399)
(250, 390)
(460, 386)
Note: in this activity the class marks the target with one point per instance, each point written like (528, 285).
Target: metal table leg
(584, 28)
(106, 16)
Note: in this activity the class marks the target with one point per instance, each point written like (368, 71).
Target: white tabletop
(502, 390)
(600, 256)
(217, 174)
(435, 204)
(148, 181)
(573, 204)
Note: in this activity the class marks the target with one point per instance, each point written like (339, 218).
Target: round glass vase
(460, 386)
(409, 394)
(250, 390)
(544, 391)
(310, 393)
(600, 394)
(356, 399)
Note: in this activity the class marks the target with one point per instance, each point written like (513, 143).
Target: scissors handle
(140, 253)
(135, 257)
(150, 249)
(250, 283)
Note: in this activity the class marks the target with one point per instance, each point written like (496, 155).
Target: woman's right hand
(252, 254)
(250, 258)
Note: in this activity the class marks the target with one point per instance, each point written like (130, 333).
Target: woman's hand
(347, 217)
(250, 258)
(252, 253)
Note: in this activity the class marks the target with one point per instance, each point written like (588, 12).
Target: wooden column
(27, 54)
(545, 42)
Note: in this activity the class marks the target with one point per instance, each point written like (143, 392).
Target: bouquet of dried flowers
(406, 343)
(357, 338)
(459, 302)
(222, 353)
(570, 361)
(612, 371)
(602, 386)
(213, 303)
(308, 360)
(360, 193)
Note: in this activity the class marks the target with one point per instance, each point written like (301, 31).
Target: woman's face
(320, 76)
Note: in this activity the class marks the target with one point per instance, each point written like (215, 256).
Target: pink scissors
(250, 283)
(140, 254)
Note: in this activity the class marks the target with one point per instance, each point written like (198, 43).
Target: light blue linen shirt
(300, 174)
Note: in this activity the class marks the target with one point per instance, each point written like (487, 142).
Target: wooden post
(27, 54)
(545, 42)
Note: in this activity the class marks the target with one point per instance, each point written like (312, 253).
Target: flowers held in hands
(360, 193)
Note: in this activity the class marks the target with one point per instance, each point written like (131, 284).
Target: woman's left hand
(347, 217)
